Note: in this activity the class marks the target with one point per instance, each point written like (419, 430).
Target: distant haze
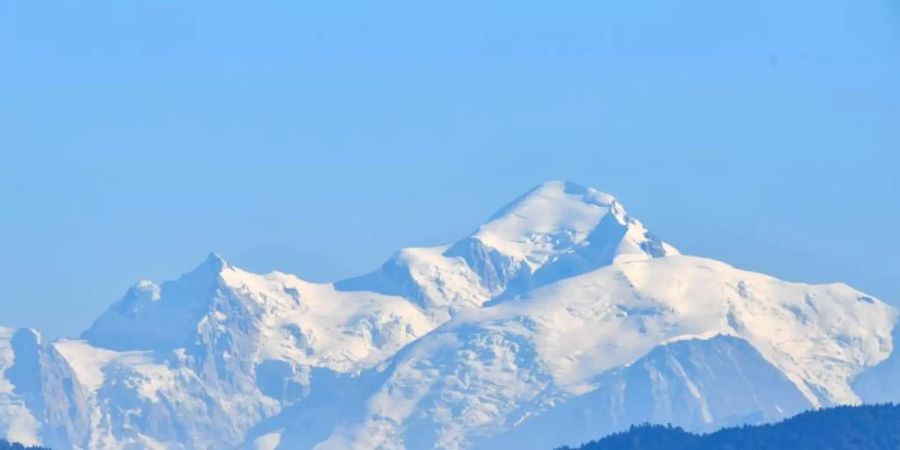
(319, 137)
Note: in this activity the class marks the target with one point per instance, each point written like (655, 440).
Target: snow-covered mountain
(558, 320)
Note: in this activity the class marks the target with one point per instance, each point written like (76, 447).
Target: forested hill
(6, 445)
(871, 427)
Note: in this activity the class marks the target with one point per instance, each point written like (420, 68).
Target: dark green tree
(870, 427)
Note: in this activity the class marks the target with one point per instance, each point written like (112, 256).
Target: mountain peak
(560, 191)
(572, 188)
(558, 310)
(214, 262)
(154, 316)
(207, 273)
(553, 215)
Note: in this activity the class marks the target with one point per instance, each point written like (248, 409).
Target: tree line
(869, 427)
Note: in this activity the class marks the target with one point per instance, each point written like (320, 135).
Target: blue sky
(319, 137)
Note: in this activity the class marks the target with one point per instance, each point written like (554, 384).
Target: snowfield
(560, 319)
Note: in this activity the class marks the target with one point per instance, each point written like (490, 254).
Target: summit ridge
(560, 312)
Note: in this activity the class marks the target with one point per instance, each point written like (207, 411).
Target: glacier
(560, 319)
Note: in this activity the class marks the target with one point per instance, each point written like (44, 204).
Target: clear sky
(319, 137)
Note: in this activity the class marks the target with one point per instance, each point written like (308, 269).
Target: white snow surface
(6, 358)
(553, 219)
(477, 371)
(544, 305)
(17, 422)
(87, 361)
(313, 324)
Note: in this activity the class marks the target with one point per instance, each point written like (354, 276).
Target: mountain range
(559, 320)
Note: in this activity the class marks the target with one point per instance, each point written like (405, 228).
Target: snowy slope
(288, 318)
(40, 399)
(881, 383)
(489, 370)
(699, 384)
(561, 311)
(16, 420)
(208, 356)
(555, 231)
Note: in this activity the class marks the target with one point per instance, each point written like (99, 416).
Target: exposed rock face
(45, 402)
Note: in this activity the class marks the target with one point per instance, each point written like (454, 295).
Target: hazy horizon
(319, 138)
